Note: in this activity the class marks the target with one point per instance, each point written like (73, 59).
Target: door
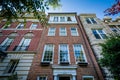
(64, 78)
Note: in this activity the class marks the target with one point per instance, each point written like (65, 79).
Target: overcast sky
(85, 6)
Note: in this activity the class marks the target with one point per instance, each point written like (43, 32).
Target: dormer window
(55, 19)
(69, 19)
(62, 19)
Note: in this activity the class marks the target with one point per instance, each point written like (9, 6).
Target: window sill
(45, 63)
(64, 63)
(82, 63)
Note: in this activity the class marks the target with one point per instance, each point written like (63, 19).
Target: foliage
(13, 77)
(111, 55)
(115, 9)
(10, 9)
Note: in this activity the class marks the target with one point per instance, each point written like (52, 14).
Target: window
(99, 34)
(114, 28)
(12, 66)
(91, 21)
(55, 19)
(6, 43)
(63, 31)
(62, 19)
(88, 78)
(24, 44)
(79, 53)
(42, 78)
(74, 31)
(51, 31)
(63, 51)
(48, 53)
(69, 19)
(20, 26)
(33, 26)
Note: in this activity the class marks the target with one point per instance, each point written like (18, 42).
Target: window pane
(20, 26)
(74, 32)
(55, 19)
(96, 34)
(34, 26)
(88, 21)
(93, 21)
(103, 35)
(63, 53)
(69, 19)
(48, 52)
(42, 78)
(51, 31)
(63, 31)
(62, 19)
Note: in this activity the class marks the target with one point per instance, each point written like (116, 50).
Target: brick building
(18, 45)
(64, 52)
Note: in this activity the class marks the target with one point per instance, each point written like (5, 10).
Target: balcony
(20, 48)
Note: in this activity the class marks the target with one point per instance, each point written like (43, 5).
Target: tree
(111, 55)
(12, 9)
(115, 9)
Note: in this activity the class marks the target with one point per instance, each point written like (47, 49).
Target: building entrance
(64, 78)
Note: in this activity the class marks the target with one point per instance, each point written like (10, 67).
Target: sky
(85, 6)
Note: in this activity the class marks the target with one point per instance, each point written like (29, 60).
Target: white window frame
(82, 51)
(31, 27)
(67, 51)
(87, 77)
(19, 25)
(38, 77)
(99, 33)
(44, 53)
(51, 31)
(76, 31)
(60, 32)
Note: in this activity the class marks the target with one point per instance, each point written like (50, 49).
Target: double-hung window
(63, 31)
(6, 43)
(12, 66)
(33, 26)
(79, 53)
(51, 31)
(48, 53)
(20, 26)
(69, 19)
(91, 21)
(24, 44)
(99, 34)
(42, 78)
(74, 31)
(63, 53)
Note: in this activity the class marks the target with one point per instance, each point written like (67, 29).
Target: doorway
(64, 78)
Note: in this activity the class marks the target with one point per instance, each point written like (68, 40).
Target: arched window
(25, 42)
(7, 42)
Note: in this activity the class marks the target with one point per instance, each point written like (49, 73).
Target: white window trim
(87, 77)
(84, 55)
(91, 20)
(44, 53)
(76, 31)
(68, 54)
(49, 31)
(60, 31)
